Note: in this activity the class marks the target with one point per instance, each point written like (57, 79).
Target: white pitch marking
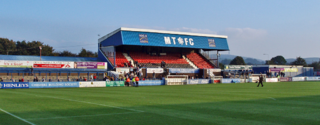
(91, 103)
(81, 116)
(272, 98)
(17, 117)
(82, 102)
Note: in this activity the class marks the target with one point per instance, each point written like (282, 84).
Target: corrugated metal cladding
(158, 39)
(114, 40)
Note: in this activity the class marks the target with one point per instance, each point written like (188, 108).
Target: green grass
(276, 103)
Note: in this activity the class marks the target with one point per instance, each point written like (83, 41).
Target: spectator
(154, 75)
(94, 77)
(50, 79)
(91, 77)
(37, 80)
(68, 79)
(58, 79)
(133, 81)
(43, 80)
(1, 80)
(105, 78)
(22, 80)
(127, 82)
(137, 81)
(84, 79)
(13, 80)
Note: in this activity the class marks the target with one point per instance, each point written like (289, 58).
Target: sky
(259, 29)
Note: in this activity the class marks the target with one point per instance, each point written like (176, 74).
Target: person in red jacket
(127, 81)
(22, 80)
(137, 81)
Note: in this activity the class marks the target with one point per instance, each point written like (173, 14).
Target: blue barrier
(151, 83)
(230, 81)
(312, 78)
(198, 81)
(53, 84)
(14, 85)
(180, 70)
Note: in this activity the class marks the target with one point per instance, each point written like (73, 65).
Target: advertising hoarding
(114, 83)
(198, 81)
(182, 70)
(290, 69)
(53, 84)
(123, 70)
(271, 79)
(90, 65)
(52, 64)
(92, 84)
(312, 78)
(16, 64)
(14, 85)
(298, 78)
(156, 70)
(237, 67)
(230, 80)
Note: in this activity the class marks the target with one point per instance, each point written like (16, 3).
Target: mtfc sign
(179, 40)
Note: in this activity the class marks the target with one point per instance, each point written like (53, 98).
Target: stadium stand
(172, 60)
(120, 59)
(199, 61)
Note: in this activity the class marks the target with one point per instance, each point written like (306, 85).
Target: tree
(299, 61)
(278, 60)
(225, 61)
(7, 46)
(67, 53)
(237, 61)
(221, 65)
(87, 53)
(315, 65)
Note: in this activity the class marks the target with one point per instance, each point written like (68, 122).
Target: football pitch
(242, 104)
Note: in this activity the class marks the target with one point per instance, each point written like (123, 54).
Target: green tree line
(10, 47)
(278, 60)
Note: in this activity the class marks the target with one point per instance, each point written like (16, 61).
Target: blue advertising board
(181, 70)
(312, 78)
(173, 40)
(14, 85)
(53, 84)
(198, 81)
(151, 83)
(230, 80)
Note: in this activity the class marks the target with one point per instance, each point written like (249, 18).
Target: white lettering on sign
(186, 41)
(191, 41)
(181, 41)
(173, 40)
(167, 40)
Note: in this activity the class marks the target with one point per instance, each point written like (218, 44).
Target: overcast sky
(254, 27)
